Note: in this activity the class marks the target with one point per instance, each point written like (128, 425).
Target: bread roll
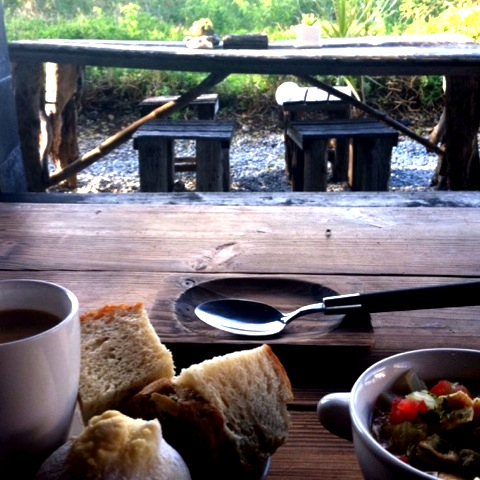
(112, 447)
(226, 415)
(121, 353)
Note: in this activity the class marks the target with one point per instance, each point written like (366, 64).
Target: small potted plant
(308, 31)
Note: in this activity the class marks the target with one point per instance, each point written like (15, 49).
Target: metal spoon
(246, 317)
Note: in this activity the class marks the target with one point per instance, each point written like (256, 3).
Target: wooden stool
(369, 169)
(207, 105)
(154, 141)
(306, 101)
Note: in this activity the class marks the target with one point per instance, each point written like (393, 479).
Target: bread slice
(226, 415)
(251, 389)
(120, 354)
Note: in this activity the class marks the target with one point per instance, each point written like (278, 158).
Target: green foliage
(356, 18)
(308, 19)
(128, 23)
(463, 18)
(419, 11)
(242, 16)
(430, 90)
(171, 19)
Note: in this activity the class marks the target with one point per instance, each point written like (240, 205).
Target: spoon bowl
(252, 318)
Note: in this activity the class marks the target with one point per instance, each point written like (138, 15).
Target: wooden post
(28, 81)
(370, 171)
(155, 161)
(297, 166)
(12, 172)
(210, 177)
(315, 166)
(462, 117)
(225, 160)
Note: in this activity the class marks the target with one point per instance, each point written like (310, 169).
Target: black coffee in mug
(16, 324)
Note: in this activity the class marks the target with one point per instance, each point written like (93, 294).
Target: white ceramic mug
(349, 415)
(39, 374)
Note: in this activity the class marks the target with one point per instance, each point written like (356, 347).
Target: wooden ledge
(326, 199)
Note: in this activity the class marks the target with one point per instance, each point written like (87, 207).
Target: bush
(463, 18)
(170, 20)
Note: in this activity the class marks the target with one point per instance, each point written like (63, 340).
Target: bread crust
(190, 424)
(278, 365)
(105, 313)
(225, 416)
(214, 423)
(120, 354)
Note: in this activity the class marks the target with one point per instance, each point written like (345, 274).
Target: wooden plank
(392, 332)
(333, 240)
(207, 105)
(302, 132)
(437, 199)
(187, 129)
(205, 99)
(367, 56)
(160, 291)
(422, 199)
(298, 458)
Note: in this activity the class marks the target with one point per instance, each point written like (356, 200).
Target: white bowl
(349, 415)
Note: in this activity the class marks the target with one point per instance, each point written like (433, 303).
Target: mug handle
(333, 411)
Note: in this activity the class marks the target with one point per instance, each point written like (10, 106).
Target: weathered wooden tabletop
(407, 55)
(160, 252)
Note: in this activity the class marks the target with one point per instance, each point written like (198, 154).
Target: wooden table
(155, 248)
(454, 56)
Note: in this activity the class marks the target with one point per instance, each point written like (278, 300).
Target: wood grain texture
(450, 199)
(313, 452)
(157, 253)
(424, 55)
(251, 240)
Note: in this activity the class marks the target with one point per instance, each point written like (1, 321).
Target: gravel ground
(256, 159)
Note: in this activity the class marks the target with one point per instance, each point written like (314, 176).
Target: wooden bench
(369, 169)
(206, 105)
(155, 144)
(206, 108)
(303, 103)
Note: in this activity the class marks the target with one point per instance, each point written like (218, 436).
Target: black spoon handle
(439, 296)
